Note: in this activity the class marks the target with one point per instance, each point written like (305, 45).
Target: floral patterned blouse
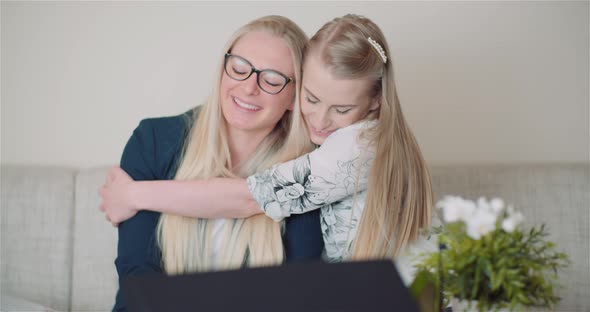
(326, 178)
(334, 178)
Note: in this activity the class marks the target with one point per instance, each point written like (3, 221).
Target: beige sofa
(57, 250)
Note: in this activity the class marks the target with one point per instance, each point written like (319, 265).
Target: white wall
(491, 82)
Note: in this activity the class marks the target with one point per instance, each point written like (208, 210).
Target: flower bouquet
(488, 259)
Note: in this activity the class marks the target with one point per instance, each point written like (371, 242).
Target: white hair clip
(379, 49)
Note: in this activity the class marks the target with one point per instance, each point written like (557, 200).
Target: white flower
(480, 217)
(452, 213)
(513, 220)
(482, 203)
(481, 223)
(497, 205)
(456, 208)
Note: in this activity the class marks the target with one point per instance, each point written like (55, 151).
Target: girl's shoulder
(356, 127)
(354, 136)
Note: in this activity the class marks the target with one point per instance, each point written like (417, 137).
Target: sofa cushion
(15, 303)
(94, 283)
(37, 223)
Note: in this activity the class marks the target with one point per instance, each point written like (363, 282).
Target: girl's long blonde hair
(186, 243)
(399, 197)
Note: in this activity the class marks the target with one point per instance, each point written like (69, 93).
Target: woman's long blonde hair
(186, 243)
(399, 197)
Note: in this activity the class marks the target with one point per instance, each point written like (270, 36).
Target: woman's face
(328, 104)
(244, 104)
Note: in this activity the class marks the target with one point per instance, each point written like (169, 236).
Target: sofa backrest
(556, 195)
(37, 224)
(94, 282)
(39, 227)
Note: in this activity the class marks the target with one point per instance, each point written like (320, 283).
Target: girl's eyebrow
(344, 105)
(310, 93)
(318, 99)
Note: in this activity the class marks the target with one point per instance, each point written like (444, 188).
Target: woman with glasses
(247, 124)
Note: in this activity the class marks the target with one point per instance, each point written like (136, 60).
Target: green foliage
(425, 290)
(500, 270)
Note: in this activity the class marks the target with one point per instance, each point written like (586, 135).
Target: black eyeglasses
(269, 81)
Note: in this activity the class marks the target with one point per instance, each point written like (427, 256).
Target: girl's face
(244, 104)
(328, 104)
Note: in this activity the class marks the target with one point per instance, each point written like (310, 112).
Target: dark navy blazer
(152, 153)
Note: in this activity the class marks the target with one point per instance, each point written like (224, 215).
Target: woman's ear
(375, 103)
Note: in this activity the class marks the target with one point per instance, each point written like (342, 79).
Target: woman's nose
(323, 120)
(251, 85)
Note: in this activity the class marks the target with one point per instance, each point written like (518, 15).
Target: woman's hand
(116, 196)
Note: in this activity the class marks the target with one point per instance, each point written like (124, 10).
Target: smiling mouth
(245, 106)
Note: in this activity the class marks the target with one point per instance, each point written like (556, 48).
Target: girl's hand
(117, 201)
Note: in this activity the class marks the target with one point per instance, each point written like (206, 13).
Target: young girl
(368, 176)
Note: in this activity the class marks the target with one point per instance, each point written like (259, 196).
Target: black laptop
(297, 287)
